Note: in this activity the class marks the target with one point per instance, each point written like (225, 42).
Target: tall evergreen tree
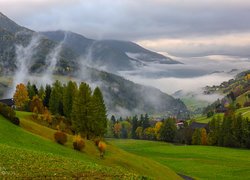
(98, 123)
(80, 115)
(145, 122)
(56, 96)
(113, 120)
(134, 127)
(69, 93)
(41, 93)
(47, 95)
(168, 130)
(30, 90)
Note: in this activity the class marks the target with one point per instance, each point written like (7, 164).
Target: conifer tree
(98, 116)
(55, 101)
(81, 110)
(69, 93)
(47, 95)
(134, 127)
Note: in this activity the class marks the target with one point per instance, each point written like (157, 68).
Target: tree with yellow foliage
(157, 130)
(203, 136)
(21, 96)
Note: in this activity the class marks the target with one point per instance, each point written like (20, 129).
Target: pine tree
(80, 115)
(196, 138)
(134, 127)
(55, 101)
(30, 90)
(113, 120)
(47, 95)
(98, 123)
(145, 122)
(168, 130)
(41, 93)
(69, 93)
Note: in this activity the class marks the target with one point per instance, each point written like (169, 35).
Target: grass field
(199, 162)
(43, 157)
(203, 119)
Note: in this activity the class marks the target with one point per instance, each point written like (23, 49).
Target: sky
(183, 28)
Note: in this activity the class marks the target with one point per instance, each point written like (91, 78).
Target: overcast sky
(178, 27)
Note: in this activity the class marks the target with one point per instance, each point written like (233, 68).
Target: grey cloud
(132, 20)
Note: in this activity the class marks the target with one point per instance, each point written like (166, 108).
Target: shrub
(78, 143)
(247, 104)
(102, 148)
(9, 113)
(97, 140)
(60, 137)
(16, 121)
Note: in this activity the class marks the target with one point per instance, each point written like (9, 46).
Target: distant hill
(114, 55)
(122, 97)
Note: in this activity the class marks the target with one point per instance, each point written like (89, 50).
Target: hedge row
(9, 114)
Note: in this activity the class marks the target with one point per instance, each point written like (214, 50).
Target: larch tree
(21, 96)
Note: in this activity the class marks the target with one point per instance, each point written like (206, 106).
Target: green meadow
(198, 162)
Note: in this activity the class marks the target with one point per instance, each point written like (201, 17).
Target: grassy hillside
(199, 162)
(203, 119)
(24, 155)
(62, 160)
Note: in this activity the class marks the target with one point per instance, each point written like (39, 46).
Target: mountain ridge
(120, 95)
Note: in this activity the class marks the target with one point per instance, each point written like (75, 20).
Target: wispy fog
(191, 76)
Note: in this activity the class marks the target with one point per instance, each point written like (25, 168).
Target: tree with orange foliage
(47, 115)
(117, 130)
(102, 148)
(37, 103)
(203, 136)
(21, 96)
(157, 130)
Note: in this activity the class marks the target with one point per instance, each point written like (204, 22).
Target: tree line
(77, 107)
(230, 131)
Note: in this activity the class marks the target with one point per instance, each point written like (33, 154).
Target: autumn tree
(21, 96)
(139, 132)
(203, 136)
(37, 103)
(117, 130)
(157, 130)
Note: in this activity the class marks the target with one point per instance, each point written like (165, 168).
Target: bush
(9, 113)
(16, 121)
(60, 137)
(97, 140)
(78, 143)
(102, 148)
(247, 104)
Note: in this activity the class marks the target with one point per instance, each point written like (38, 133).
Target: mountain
(10, 26)
(112, 55)
(122, 97)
